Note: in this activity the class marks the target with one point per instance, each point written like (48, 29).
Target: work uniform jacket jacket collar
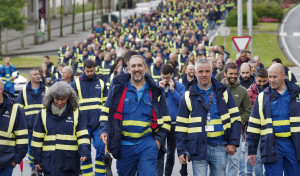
(123, 79)
(83, 77)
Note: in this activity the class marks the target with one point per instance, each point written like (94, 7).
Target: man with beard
(92, 93)
(243, 102)
(135, 120)
(245, 78)
(189, 76)
(260, 84)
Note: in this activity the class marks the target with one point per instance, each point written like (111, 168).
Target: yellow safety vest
(90, 100)
(26, 106)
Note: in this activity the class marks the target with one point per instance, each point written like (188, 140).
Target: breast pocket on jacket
(128, 106)
(147, 108)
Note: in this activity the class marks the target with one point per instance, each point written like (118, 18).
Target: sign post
(241, 43)
(224, 32)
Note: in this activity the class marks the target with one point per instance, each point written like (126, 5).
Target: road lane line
(283, 39)
(296, 34)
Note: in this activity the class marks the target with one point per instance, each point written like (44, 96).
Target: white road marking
(283, 34)
(296, 33)
(283, 39)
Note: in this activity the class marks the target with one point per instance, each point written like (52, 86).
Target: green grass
(29, 61)
(265, 43)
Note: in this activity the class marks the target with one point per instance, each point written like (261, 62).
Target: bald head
(277, 68)
(277, 76)
(245, 71)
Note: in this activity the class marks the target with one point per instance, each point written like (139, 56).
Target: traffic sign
(241, 43)
(225, 31)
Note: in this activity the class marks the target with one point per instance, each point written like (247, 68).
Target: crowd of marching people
(144, 89)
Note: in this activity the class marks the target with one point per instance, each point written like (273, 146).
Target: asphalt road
(27, 170)
(289, 35)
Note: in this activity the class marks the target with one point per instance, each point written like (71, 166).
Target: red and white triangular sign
(241, 43)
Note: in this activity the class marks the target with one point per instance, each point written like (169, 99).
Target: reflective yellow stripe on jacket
(26, 106)
(55, 137)
(90, 100)
(12, 135)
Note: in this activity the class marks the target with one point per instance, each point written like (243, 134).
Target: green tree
(10, 16)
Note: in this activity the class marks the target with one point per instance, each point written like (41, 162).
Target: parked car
(20, 83)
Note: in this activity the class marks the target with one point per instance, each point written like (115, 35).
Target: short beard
(138, 79)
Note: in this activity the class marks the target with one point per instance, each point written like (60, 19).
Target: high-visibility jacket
(56, 76)
(61, 52)
(92, 93)
(181, 61)
(190, 131)
(6, 76)
(155, 72)
(13, 132)
(59, 141)
(51, 68)
(290, 76)
(185, 81)
(68, 61)
(32, 103)
(111, 116)
(261, 124)
(105, 69)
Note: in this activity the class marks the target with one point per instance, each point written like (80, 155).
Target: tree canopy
(10, 14)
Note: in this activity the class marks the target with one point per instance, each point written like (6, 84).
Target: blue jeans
(216, 160)
(141, 158)
(171, 146)
(233, 161)
(211, 24)
(258, 168)
(243, 159)
(7, 171)
(286, 162)
(87, 166)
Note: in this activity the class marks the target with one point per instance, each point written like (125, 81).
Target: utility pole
(0, 42)
(61, 17)
(250, 23)
(93, 8)
(83, 16)
(6, 44)
(120, 9)
(109, 12)
(240, 17)
(49, 20)
(73, 17)
(101, 12)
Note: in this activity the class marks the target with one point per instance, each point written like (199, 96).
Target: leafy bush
(268, 10)
(232, 18)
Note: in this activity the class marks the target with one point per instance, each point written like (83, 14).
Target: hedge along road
(289, 35)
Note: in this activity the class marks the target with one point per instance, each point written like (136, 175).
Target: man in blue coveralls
(275, 122)
(135, 120)
(6, 72)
